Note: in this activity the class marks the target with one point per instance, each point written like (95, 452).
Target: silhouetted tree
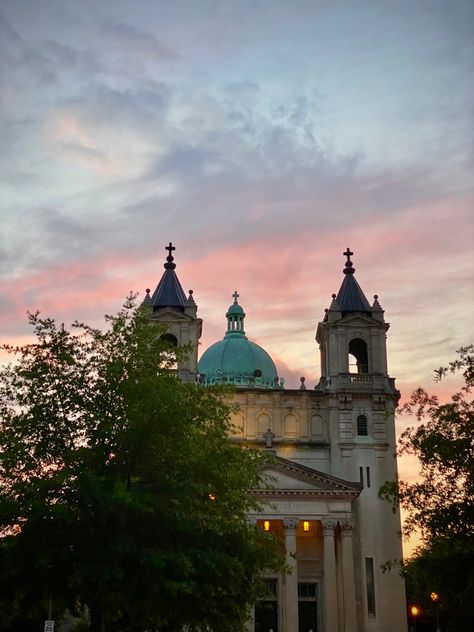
(440, 505)
(120, 488)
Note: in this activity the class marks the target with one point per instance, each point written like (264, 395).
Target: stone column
(350, 615)
(291, 576)
(330, 578)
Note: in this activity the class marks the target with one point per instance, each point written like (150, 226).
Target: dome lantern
(235, 318)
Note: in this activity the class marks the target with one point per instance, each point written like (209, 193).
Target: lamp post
(415, 611)
(435, 599)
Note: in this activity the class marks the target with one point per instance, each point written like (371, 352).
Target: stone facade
(334, 446)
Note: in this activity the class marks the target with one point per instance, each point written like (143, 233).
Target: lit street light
(435, 599)
(415, 611)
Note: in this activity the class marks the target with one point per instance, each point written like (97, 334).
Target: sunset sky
(262, 138)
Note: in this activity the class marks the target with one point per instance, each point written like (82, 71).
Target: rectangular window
(361, 475)
(367, 469)
(306, 591)
(266, 609)
(271, 587)
(370, 581)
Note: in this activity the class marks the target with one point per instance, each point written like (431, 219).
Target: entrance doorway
(307, 608)
(266, 610)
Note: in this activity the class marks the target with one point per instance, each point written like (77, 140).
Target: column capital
(290, 523)
(346, 527)
(329, 525)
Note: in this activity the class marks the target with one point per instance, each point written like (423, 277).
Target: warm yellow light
(305, 525)
(434, 597)
(266, 525)
(415, 611)
(212, 496)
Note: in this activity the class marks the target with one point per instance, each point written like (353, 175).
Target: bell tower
(352, 335)
(361, 401)
(169, 305)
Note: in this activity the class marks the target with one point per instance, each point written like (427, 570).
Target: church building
(333, 447)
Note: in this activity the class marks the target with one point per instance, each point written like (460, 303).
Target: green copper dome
(235, 359)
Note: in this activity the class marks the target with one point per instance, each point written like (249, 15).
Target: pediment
(284, 476)
(168, 315)
(359, 319)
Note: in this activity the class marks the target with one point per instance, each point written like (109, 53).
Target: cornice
(305, 494)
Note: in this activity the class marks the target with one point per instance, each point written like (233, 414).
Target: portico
(311, 512)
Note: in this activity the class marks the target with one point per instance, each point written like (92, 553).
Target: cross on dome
(236, 296)
(170, 249)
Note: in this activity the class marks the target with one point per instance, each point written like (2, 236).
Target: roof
(169, 292)
(350, 297)
(236, 359)
(239, 361)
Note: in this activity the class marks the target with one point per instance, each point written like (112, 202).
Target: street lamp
(415, 611)
(435, 599)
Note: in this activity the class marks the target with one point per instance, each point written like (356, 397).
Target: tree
(440, 505)
(120, 487)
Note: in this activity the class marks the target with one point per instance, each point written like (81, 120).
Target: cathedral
(333, 447)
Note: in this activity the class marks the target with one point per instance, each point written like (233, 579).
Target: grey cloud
(20, 61)
(130, 41)
(67, 58)
(188, 163)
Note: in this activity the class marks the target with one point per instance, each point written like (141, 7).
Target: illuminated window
(266, 525)
(305, 525)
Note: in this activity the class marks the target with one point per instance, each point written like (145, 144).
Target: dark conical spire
(350, 297)
(169, 292)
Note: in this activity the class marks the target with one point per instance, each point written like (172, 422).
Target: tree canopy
(119, 486)
(440, 504)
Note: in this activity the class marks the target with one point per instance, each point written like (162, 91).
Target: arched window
(362, 427)
(358, 357)
(290, 426)
(169, 353)
(263, 423)
(170, 339)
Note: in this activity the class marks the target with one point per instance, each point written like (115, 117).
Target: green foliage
(441, 502)
(107, 463)
(440, 505)
(444, 566)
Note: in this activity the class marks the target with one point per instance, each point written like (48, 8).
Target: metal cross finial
(170, 248)
(348, 254)
(236, 296)
(348, 267)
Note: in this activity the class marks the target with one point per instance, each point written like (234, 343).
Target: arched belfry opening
(169, 339)
(358, 356)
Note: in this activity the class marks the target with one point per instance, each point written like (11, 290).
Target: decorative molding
(329, 525)
(328, 482)
(346, 527)
(306, 494)
(290, 524)
(345, 401)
